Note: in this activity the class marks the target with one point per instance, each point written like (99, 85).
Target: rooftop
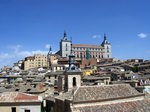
(132, 106)
(17, 97)
(98, 93)
(88, 93)
(86, 46)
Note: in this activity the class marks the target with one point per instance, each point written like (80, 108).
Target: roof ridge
(76, 90)
(102, 85)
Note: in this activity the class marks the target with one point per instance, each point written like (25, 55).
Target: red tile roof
(86, 46)
(18, 97)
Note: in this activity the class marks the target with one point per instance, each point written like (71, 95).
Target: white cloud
(17, 54)
(96, 36)
(29, 53)
(16, 47)
(142, 35)
(5, 56)
(47, 46)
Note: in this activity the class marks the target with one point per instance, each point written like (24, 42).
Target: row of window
(38, 65)
(37, 60)
(13, 109)
(92, 53)
(41, 57)
(92, 56)
(93, 49)
(82, 48)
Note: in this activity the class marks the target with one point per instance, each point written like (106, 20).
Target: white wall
(36, 108)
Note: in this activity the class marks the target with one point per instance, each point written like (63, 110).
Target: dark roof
(54, 73)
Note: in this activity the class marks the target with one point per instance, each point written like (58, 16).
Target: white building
(80, 50)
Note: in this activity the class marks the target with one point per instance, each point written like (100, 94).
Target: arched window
(74, 81)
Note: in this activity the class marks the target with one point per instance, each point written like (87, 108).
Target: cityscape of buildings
(100, 63)
(77, 78)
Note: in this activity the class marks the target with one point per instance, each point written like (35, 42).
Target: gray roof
(143, 77)
(54, 73)
(94, 77)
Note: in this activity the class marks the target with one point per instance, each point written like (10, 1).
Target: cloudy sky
(30, 26)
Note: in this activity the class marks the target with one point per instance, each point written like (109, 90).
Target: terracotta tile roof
(86, 46)
(132, 106)
(91, 93)
(17, 97)
(99, 93)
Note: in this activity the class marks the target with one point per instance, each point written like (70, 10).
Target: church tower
(49, 58)
(65, 46)
(107, 48)
(72, 74)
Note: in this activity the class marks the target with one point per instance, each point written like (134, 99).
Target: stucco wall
(36, 108)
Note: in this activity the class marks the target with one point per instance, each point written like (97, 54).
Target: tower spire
(71, 46)
(49, 58)
(105, 37)
(50, 49)
(105, 40)
(65, 35)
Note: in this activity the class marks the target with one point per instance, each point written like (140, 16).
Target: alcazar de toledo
(79, 50)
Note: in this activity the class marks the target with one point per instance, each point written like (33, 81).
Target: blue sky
(29, 26)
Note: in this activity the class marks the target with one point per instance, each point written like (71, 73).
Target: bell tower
(72, 74)
(107, 47)
(65, 46)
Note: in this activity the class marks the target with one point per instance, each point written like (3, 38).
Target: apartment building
(38, 60)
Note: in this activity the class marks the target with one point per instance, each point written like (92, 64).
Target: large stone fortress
(80, 50)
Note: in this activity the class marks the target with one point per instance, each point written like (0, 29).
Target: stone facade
(38, 60)
(65, 46)
(79, 50)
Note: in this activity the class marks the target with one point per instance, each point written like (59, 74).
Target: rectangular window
(13, 109)
(27, 110)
